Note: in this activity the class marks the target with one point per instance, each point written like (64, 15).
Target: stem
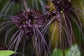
(25, 5)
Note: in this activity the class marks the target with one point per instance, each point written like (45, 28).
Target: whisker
(44, 41)
(6, 23)
(23, 50)
(5, 18)
(5, 7)
(13, 6)
(79, 10)
(38, 43)
(5, 15)
(36, 2)
(77, 17)
(54, 28)
(12, 44)
(51, 21)
(44, 32)
(33, 4)
(8, 33)
(43, 6)
(77, 25)
(35, 36)
(18, 40)
(68, 30)
(64, 30)
(60, 29)
(35, 43)
(18, 8)
(22, 6)
(8, 8)
(72, 32)
(63, 43)
(4, 26)
(13, 37)
(57, 39)
(66, 24)
(67, 35)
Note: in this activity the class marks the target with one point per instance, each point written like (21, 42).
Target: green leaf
(57, 52)
(6, 52)
(72, 51)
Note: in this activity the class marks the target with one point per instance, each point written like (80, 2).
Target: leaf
(6, 52)
(72, 51)
(57, 52)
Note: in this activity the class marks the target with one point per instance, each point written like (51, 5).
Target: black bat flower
(62, 5)
(28, 24)
(67, 20)
(27, 20)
